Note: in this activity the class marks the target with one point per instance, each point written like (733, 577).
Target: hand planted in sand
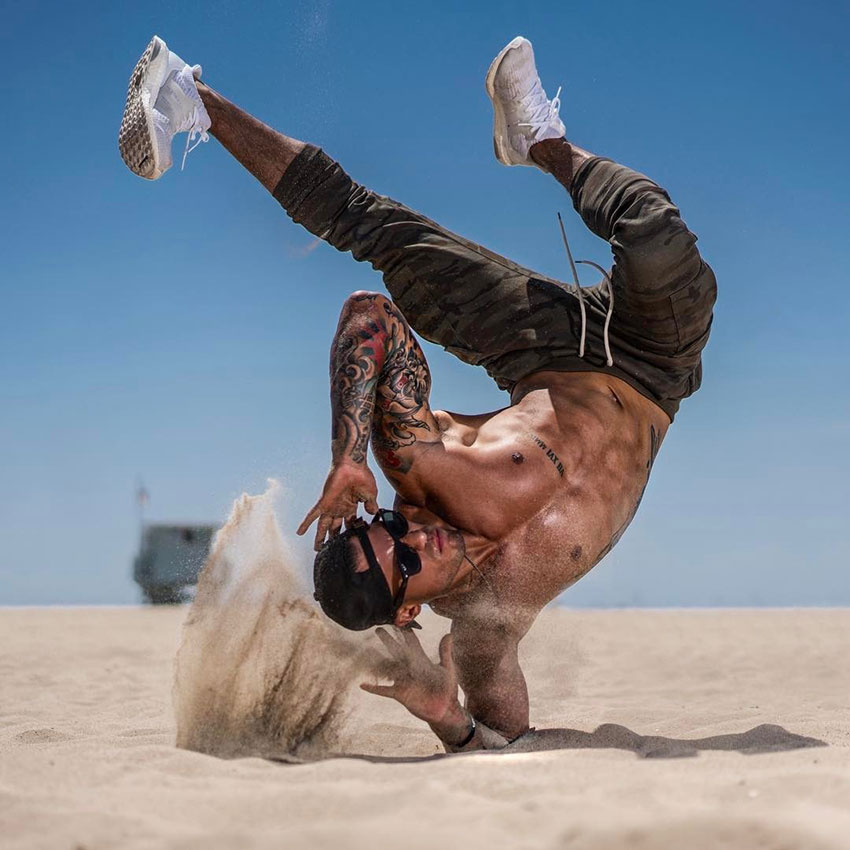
(347, 485)
(427, 690)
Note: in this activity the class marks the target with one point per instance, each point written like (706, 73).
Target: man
(495, 513)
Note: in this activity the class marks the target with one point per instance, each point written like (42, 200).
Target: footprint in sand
(41, 736)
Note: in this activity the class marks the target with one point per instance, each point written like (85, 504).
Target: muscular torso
(551, 481)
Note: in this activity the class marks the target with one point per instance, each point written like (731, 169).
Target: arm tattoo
(379, 381)
(354, 370)
(556, 461)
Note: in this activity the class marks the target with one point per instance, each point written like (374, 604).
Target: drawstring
(579, 294)
(610, 312)
(203, 136)
(609, 359)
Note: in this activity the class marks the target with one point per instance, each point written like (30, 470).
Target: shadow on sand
(766, 738)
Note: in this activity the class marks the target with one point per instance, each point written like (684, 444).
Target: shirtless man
(495, 513)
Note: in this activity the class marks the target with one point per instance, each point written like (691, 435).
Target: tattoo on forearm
(556, 462)
(353, 396)
(379, 384)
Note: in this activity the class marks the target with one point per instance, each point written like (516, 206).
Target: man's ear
(406, 615)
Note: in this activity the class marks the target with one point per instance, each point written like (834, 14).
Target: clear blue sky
(179, 330)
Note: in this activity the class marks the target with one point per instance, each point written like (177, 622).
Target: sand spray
(260, 671)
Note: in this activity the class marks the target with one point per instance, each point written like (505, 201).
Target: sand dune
(88, 756)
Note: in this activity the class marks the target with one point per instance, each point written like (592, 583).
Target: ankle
(555, 157)
(208, 96)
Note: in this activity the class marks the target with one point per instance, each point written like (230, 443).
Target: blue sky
(179, 330)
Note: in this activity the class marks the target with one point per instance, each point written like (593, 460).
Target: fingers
(380, 690)
(322, 529)
(412, 642)
(446, 660)
(328, 524)
(309, 519)
(392, 645)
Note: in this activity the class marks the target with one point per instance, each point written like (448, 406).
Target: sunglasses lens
(395, 523)
(408, 560)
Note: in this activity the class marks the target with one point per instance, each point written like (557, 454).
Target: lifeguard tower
(170, 559)
(170, 556)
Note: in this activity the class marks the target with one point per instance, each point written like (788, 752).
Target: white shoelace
(193, 125)
(543, 110)
(578, 293)
(195, 130)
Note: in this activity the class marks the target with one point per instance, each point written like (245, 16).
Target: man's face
(439, 546)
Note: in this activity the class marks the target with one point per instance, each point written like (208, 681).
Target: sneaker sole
(501, 146)
(136, 140)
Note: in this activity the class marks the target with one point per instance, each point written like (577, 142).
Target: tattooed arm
(379, 390)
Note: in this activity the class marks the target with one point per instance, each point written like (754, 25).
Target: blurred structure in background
(170, 559)
(170, 556)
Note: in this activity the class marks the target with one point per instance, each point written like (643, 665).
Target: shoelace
(544, 110)
(609, 360)
(195, 128)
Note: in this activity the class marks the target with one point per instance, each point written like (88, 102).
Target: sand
(260, 670)
(88, 757)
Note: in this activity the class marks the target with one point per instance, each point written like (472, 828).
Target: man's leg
(560, 158)
(263, 151)
(663, 290)
(453, 292)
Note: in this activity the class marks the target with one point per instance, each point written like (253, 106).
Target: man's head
(379, 573)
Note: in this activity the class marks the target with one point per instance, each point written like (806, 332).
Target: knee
(663, 262)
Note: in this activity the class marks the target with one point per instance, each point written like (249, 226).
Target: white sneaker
(162, 100)
(522, 114)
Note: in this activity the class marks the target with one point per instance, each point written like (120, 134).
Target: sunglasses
(406, 559)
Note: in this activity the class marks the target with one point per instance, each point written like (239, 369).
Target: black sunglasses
(407, 560)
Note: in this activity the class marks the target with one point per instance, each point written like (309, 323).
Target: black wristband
(468, 738)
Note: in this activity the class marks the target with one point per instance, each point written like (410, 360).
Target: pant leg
(489, 311)
(664, 291)
(474, 303)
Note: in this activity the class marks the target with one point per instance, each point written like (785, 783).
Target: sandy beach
(88, 757)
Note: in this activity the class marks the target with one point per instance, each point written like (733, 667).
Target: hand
(427, 690)
(347, 485)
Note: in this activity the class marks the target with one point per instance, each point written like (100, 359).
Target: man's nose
(417, 539)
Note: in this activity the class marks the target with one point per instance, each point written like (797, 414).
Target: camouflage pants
(491, 312)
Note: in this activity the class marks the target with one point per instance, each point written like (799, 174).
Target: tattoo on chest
(654, 443)
(556, 461)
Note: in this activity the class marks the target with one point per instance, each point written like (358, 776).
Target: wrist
(454, 728)
(342, 457)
